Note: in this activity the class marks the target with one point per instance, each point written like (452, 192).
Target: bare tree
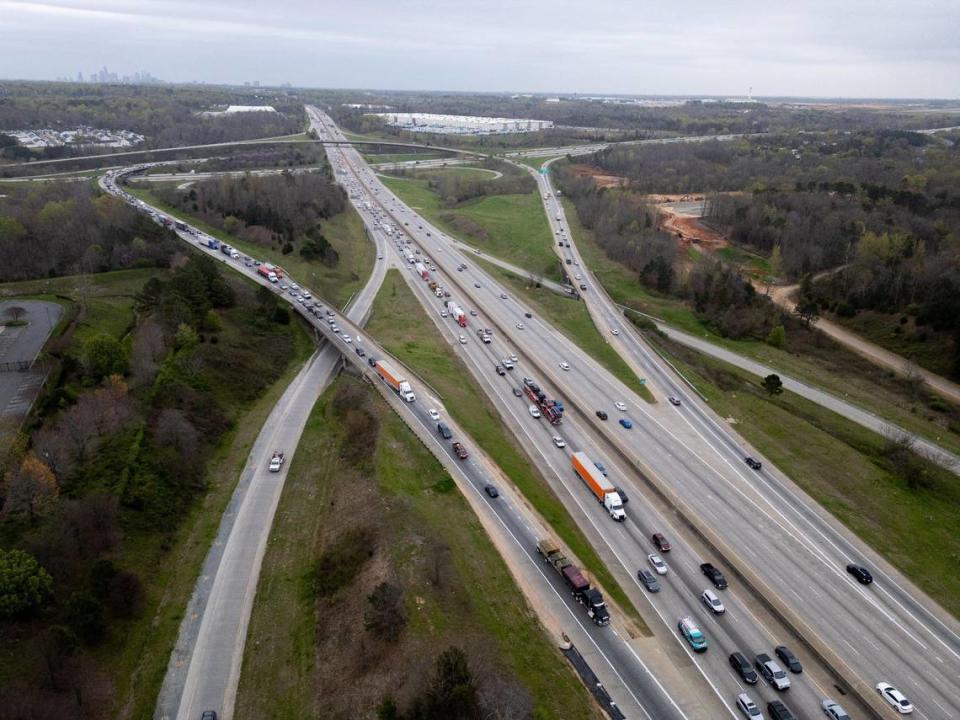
(146, 351)
(15, 312)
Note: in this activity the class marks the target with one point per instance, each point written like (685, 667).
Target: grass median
(399, 324)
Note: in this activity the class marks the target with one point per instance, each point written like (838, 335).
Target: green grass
(478, 597)
(823, 364)
(934, 352)
(534, 162)
(344, 231)
(573, 320)
(842, 466)
(511, 227)
(401, 157)
(138, 658)
(422, 349)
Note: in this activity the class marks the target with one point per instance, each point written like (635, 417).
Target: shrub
(24, 585)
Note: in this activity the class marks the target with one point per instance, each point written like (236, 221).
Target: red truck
(552, 410)
(265, 271)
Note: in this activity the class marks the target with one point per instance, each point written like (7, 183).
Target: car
(473, 313)
(674, 401)
(748, 707)
(208, 715)
(500, 370)
(862, 575)
(833, 710)
(753, 463)
(519, 326)
(379, 257)
(714, 575)
(527, 315)
(657, 563)
(788, 658)
(462, 339)
(491, 491)
(564, 366)
(360, 352)
(601, 414)
(692, 634)
(710, 599)
(444, 431)
(507, 363)
(772, 672)
(559, 441)
(599, 466)
(626, 423)
(347, 340)
(372, 361)
(517, 392)
(742, 667)
(434, 415)
(578, 276)
(614, 331)
(283, 286)
(648, 580)
(660, 542)
(896, 699)
(779, 711)
(503, 296)
(534, 411)
(513, 357)
(443, 313)
(620, 406)
(461, 451)
(476, 285)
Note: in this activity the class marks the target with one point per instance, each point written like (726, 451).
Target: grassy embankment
(421, 348)
(344, 231)
(845, 468)
(819, 362)
(511, 227)
(415, 532)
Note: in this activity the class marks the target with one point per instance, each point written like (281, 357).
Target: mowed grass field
(421, 536)
(511, 227)
(844, 468)
(421, 347)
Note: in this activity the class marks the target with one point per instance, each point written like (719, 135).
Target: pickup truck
(715, 576)
(276, 460)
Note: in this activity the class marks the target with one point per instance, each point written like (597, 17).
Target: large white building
(462, 124)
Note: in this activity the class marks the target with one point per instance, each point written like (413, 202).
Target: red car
(461, 451)
(661, 543)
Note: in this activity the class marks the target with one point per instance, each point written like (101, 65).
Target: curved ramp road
(791, 553)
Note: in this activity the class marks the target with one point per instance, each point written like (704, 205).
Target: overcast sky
(848, 48)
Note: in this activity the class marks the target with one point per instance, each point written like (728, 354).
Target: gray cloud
(852, 48)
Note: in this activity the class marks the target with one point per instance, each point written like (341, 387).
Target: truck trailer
(422, 271)
(457, 313)
(394, 378)
(602, 489)
(576, 582)
(264, 271)
(551, 409)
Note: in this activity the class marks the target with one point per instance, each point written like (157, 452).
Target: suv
(601, 414)
(772, 672)
(833, 711)
(741, 666)
(649, 581)
(692, 633)
(788, 658)
(779, 711)
(748, 707)
(711, 600)
(755, 464)
(444, 431)
(661, 543)
(714, 575)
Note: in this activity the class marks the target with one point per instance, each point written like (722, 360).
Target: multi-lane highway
(784, 546)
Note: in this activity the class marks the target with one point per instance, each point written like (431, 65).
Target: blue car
(626, 423)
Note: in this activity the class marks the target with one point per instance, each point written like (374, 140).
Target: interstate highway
(874, 634)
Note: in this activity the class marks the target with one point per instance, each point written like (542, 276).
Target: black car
(755, 464)
(743, 668)
(527, 315)
(491, 491)
(788, 658)
(517, 393)
(648, 580)
(623, 496)
(779, 711)
(361, 352)
(372, 361)
(208, 715)
(444, 431)
(500, 370)
(860, 573)
(601, 414)
(714, 575)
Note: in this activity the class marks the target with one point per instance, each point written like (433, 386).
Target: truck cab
(597, 611)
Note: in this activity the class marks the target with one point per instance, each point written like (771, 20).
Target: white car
(711, 600)
(463, 340)
(534, 411)
(833, 710)
(620, 406)
(347, 340)
(564, 366)
(559, 442)
(748, 707)
(896, 699)
(434, 415)
(614, 331)
(519, 326)
(657, 563)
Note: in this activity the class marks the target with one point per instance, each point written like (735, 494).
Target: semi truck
(457, 313)
(411, 258)
(210, 242)
(602, 489)
(275, 269)
(552, 410)
(394, 378)
(422, 271)
(264, 271)
(583, 593)
(226, 249)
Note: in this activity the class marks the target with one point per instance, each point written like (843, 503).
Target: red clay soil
(599, 176)
(690, 231)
